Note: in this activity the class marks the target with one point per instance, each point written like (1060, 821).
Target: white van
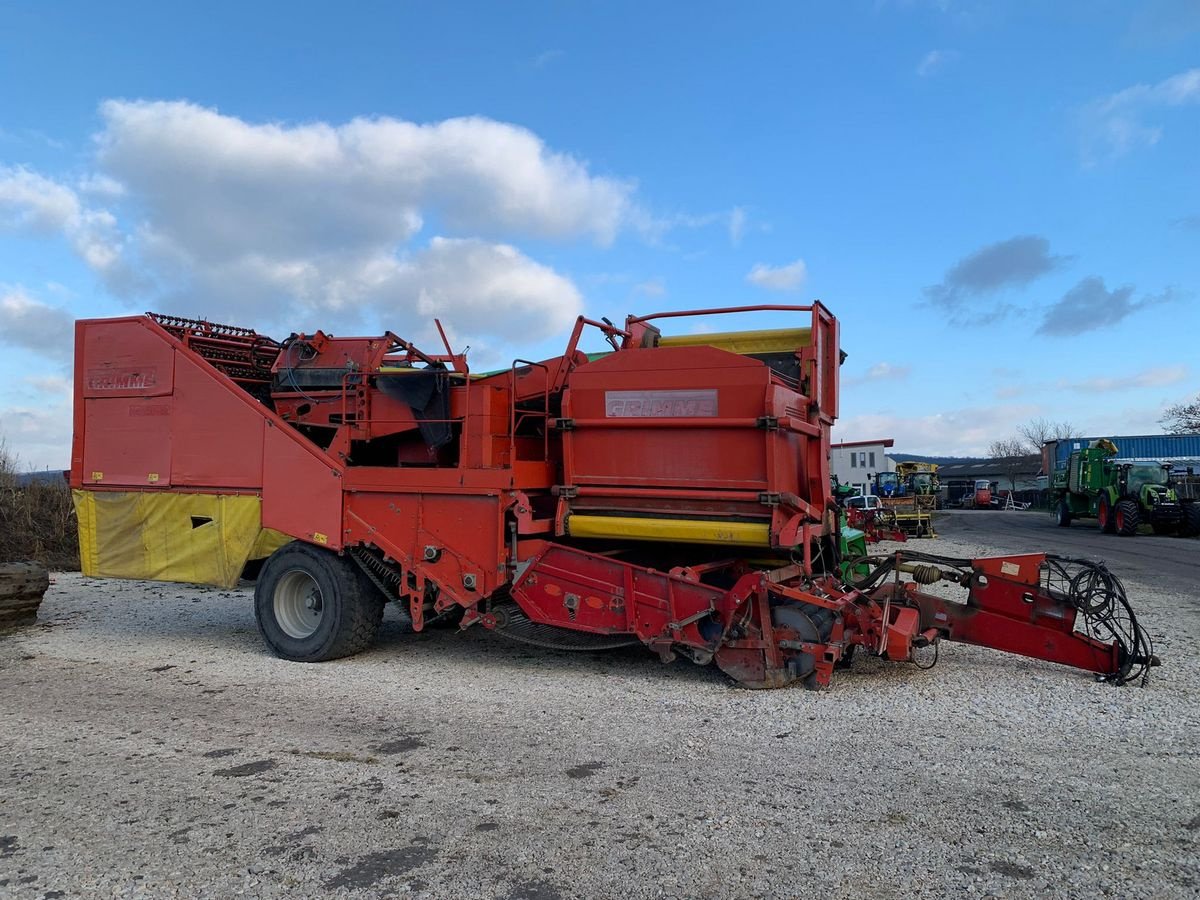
(869, 501)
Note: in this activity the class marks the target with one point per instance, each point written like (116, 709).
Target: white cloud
(1149, 378)
(546, 57)
(887, 370)
(489, 289)
(213, 183)
(33, 325)
(268, 223)
(956, 432)
(102, 186)
(1156, 376)
(651, 287)
(38, 436)
(935, 60)
(1115, 125)
(737, 224)
(32, 203)
(789, 277)
(50, 384)
(880, 371)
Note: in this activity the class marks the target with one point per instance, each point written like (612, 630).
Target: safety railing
(514, 419)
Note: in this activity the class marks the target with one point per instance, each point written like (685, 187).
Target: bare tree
(8, 465)
(1040, 430)
(1012, 455)
(1182, 418)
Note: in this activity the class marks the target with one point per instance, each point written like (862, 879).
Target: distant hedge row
(37, 520)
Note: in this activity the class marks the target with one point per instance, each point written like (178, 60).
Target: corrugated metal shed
(1177, 448)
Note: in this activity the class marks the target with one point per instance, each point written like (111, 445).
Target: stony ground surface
(150, 748)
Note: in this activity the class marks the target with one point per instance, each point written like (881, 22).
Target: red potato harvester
(673, 492)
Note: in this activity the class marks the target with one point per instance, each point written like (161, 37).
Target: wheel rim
(1103, 515)
(299, 605)
(1120, 520)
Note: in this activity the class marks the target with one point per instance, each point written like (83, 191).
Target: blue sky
(1000, 201)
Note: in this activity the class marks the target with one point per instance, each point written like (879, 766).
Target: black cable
(1095, 592)
(1100, 598)
(290, 368)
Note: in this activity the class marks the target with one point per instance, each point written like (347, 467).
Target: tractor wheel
(313, 605)
(1190, 527)
(1128, 517)
(1108, 522)
(1063, 514)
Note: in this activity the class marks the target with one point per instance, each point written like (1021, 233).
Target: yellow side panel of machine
(782, 340)
(677, 531)
(159, 536)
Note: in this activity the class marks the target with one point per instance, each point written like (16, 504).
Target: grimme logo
(660, 404)
(122, 379)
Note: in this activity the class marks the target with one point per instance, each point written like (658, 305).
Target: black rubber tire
(1162, 529)
(1108, 521)
(352, 607)
(1128, 518)
(1063, 514)
(1190, 527)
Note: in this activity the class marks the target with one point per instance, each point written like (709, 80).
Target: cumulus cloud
(1012, 263)
(651, 287)
(213, 182)
(788, 277)
(39, 437)
(887, 370)
(880, 371)
(1153, 377)
(1090, 306)
(270, 222)
(1120, 123)
(31, 203)
(956, 432)
(477, 280)
(36, 326)
(737, 224)
(50, 384)
(934, 61)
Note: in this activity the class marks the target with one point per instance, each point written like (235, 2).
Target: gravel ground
(151, 748)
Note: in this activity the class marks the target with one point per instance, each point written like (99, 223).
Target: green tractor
(852, 543)
(1121, 496)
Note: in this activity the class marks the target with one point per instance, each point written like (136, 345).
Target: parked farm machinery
(867, 514)
(910, 493)
(674, 492)
(1121, 496)
(981, 495)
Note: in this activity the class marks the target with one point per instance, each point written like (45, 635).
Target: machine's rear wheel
(1063, 514)
(1108, 523)
(1127, 518)
(1190, 527)
(313, 605)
